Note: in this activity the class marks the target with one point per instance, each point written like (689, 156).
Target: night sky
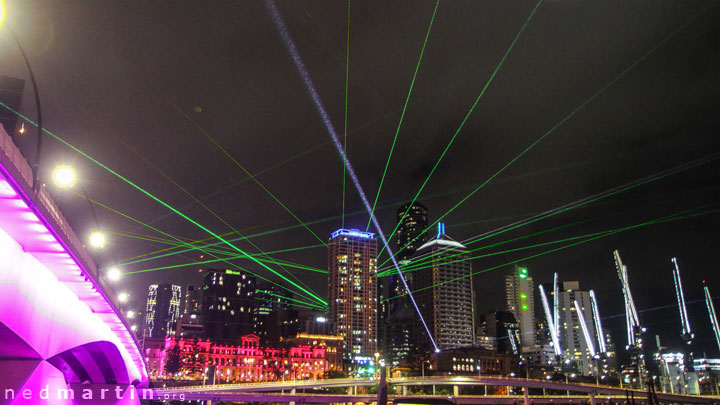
(143, 87)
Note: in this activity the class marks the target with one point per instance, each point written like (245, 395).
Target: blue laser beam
(310, 87)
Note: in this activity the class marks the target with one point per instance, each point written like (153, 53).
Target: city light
(97, 239)
(114, 274)
(123, 297)
(3, 12)
(131, 314)
(64, 176)
(133, 328)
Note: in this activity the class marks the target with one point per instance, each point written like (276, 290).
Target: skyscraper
(572, 338)
(162, 309)
(444, 291)
(353, 292)
(228, 305)
(273, 309)
(399, 315)
(193, 300)
(520, 300)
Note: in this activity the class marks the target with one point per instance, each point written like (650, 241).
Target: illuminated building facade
(353, 292)
(193, 300)
(572, 339)
(444, 292)
(332, 344)
(411, 229)
(162, 310)
(520, 301)
(228, 305)
(246, 362)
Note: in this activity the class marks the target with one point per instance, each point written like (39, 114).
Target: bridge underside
(59, 334)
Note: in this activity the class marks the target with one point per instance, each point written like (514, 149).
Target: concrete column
(526, 396)
(592, 398)
(404, 390)
(456, 390)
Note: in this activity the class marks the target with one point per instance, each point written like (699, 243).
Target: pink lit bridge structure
(60, 332)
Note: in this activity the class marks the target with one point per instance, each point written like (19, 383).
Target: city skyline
(656, 117)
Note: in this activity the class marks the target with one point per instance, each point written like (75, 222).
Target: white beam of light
(551, 323)
(681, 299)
(583, 326)
(556, 303)
(598, 324)
(310, 87)
(713, 317)
(631, 316)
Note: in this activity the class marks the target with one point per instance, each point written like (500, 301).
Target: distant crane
(711, 312)
(585, 331)
(551, 323)
(598, 325)
(634, 330)
(687, 334)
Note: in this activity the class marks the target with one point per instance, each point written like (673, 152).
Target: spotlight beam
(338, 146)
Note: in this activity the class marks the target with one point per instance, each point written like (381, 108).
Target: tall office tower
(352, 289)
(193, 300)
(162, 310)
(271, 312)
(572, 338)
(11, 91)
(444, 291)
(502, 326)
(228, 305)
(411, 229)
(520, 300)
(398, 315)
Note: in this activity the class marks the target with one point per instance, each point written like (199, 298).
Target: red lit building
(195, 359)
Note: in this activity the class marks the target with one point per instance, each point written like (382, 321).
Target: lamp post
(38, 147)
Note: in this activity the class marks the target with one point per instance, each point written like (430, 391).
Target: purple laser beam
(280, 24)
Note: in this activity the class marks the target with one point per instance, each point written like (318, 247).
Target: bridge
(307, 391)
(61, 333)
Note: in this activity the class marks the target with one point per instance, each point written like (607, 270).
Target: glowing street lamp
(131, 314)
(3, 12)
(97, 239)
(123, 297)
(114, 274)
(64, 176)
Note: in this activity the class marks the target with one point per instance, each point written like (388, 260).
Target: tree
(173, 361)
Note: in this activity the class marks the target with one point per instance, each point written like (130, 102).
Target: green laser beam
(402, 114)
(189, 194)
(573, 112)
(283, 297)
(163, 203)
(462, 123)
(166, 234)
(666, 218)
(247, 172)
(295, 305)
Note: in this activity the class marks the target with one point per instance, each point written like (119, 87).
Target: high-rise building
(520, 301)
(193, 300)
(398, 314)
(162, 310)
(228, 305)
(353, 292)
(502, 326)
(273, 309)
(572, 338)
(11, 91)
(444, 294)
(412, 226)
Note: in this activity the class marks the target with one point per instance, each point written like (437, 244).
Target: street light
(64, 176)
(114, 274)
(3, 12)
(97, 239)
(123, 297)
